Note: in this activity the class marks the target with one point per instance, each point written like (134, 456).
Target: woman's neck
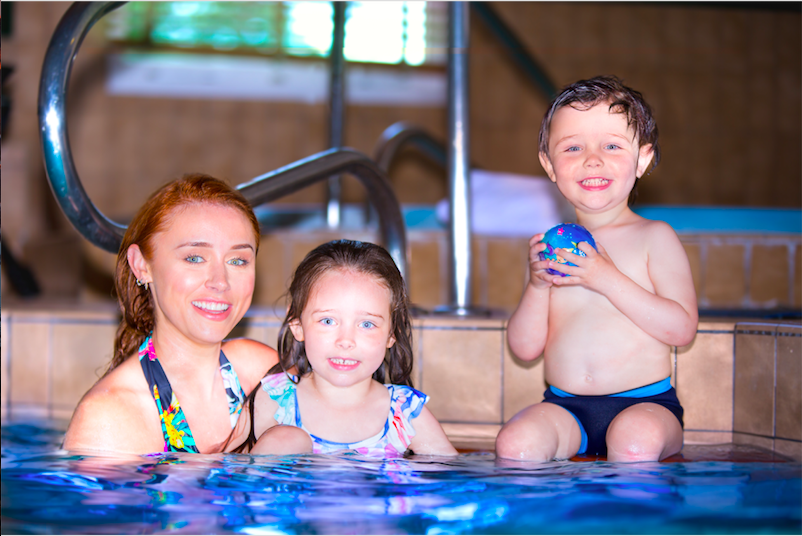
(184, 359)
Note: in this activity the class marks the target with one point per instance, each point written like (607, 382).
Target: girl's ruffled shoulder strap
(281, 388)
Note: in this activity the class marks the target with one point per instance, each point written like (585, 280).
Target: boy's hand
(595, 271)
(538, 276)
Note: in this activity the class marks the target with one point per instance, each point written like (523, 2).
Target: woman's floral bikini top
(177, 435)
(392, 440)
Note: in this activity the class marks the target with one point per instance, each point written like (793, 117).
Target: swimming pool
(705, 490)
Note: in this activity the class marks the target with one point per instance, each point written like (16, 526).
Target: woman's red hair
(154, 216)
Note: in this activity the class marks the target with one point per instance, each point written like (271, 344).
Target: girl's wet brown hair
(152, 218)
(362, 257)
(585, 94)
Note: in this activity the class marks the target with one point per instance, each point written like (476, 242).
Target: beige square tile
(461, 369)
(506, 272)
(272, 279)
(524, 382)
(472, 436)
(789, 382)
(725, 281)
(704, 381)
(30, 359)
(426, 287)
(4, 363)
(754, 379)
(29, 354)
(768, 282)
(81, 354)
(692, 437)
(792, 449)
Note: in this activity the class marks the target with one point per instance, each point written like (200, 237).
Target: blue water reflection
(44, 490)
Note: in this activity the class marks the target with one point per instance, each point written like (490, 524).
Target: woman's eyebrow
(194, 245)
(208, 245)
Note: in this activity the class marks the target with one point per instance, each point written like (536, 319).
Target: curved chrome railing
(401, 134)
(59, 165)
(321, 166)
(107, 234)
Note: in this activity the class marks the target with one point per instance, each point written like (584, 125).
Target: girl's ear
(547, 167)
(138, 263)
(390, 341)
(645, 155)
(297, 330)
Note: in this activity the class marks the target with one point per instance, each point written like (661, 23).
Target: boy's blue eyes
(575, 148)
(194, 259)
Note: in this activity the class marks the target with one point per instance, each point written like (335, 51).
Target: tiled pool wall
(738, 381)
(730, 271)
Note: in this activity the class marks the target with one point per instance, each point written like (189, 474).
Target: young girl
(347, 331)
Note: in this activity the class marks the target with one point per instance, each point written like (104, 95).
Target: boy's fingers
(535, 239)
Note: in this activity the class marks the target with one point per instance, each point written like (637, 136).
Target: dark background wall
(725, 82)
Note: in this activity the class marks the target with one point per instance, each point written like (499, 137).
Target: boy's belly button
(588, 378)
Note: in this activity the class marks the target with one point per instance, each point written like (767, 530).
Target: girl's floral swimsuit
(177, 435)
(392, 441)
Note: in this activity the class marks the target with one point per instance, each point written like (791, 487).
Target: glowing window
(411, 33)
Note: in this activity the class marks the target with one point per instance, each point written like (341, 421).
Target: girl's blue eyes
(194, 259)
(366, 324)
(238, 262)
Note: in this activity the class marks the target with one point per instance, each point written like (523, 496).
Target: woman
(185, 277)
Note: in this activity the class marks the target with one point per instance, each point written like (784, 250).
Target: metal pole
(458, 167)
(336, 111)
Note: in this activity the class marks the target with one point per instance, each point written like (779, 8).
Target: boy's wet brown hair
(585, 94)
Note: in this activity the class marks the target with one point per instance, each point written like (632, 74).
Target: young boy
(606, 329)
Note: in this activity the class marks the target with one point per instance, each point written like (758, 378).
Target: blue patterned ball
(565, 236)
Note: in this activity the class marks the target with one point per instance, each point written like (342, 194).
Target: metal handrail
(107, 234)
(59, 165)
(403, 133)
(321, 166)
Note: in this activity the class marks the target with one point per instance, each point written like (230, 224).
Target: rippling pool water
(45, 490)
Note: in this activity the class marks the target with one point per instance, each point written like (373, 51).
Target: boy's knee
(645, 434)
(283, 440)
(516, 442)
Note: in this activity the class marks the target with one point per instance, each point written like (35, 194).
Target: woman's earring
(141, 283)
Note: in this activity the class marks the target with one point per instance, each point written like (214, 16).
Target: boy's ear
(297, 330)
(546, 163)
(138, 263)
(645, 155)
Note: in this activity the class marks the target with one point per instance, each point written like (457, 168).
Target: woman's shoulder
(251, 359)
(113, 414)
